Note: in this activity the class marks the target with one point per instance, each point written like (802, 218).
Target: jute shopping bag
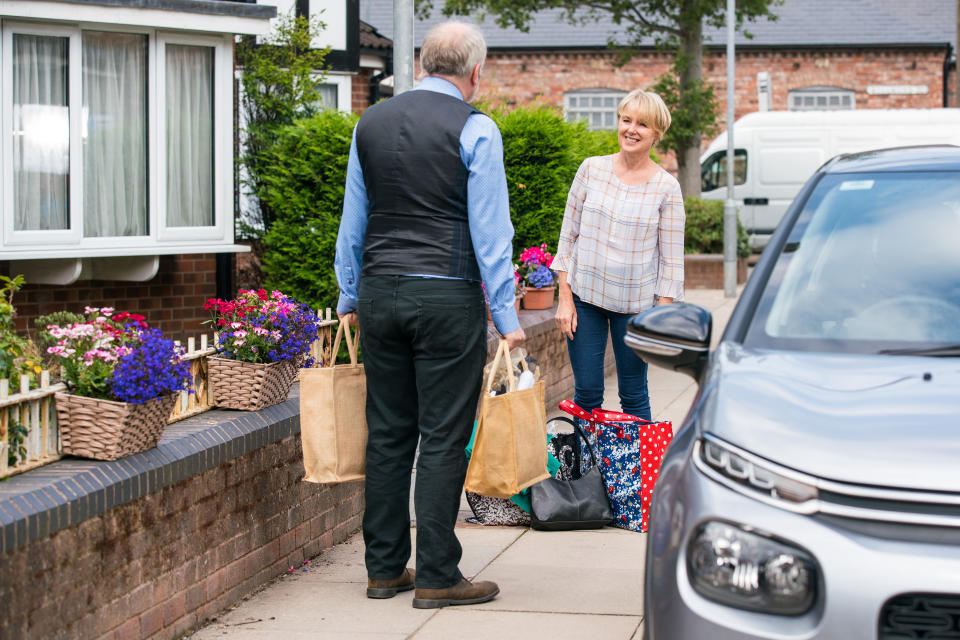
(510, 449)
(333, 422)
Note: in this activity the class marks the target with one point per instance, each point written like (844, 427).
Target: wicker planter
(250, 386)
(107, 430)
(541, 298)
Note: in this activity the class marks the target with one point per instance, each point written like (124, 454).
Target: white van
(776, 151)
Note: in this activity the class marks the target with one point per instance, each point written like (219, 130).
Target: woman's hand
(664, 300)
(566, 317)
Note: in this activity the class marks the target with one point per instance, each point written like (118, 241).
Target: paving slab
(467, 623)
(598, 571)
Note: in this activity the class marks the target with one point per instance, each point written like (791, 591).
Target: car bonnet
(891, 421)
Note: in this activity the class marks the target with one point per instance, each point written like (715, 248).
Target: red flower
(635, 470)
(606, 461)
(609, 489)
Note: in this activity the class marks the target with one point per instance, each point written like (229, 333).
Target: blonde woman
(620, 252)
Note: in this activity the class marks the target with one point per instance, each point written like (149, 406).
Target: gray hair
(452, 48)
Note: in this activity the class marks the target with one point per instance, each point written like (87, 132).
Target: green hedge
(704, 228)
(303, 184)
(305, 169)
(542, 153)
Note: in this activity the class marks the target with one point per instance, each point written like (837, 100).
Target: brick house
(117, 144)
(862, 54)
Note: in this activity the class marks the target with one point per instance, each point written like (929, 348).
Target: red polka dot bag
(629, 451)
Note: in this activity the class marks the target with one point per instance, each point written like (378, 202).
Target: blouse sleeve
(570, 229)
(672, 221)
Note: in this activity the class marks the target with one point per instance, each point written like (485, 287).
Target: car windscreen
(871, 265)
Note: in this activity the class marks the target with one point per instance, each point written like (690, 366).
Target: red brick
(174, 608)
(129, 630)
(151, 621)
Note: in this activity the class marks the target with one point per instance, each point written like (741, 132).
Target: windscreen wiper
(943, 351)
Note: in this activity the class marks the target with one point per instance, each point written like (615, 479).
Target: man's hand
(515, 338)
(349, 319)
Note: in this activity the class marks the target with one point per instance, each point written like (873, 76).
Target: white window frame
(826, 92)
(597, 92)
(161, 239)
(222, 138)
(73, 234)
(344, 83)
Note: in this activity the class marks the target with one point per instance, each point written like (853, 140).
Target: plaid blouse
(621, 245)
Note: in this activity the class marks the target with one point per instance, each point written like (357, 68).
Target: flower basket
(108, 430)
(541, 298)
(250, 386)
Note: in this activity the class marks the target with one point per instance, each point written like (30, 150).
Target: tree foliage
(280, 84)
(676, 26)
(704, 229)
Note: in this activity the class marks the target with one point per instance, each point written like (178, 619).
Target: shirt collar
(440, 85)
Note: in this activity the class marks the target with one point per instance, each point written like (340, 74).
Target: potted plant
(539, 282)
(122, 378)
(262, 341)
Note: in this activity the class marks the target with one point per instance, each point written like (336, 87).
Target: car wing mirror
(674, 336)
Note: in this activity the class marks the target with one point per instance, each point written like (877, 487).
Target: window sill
(111, 252)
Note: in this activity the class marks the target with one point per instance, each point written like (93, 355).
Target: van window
(713, 172)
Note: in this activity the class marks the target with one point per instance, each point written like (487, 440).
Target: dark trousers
(424, 347)
(587, 350)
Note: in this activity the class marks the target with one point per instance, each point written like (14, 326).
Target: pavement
(553, 585)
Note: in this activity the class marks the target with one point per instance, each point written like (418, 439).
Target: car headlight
(748, 570)
(748, 474)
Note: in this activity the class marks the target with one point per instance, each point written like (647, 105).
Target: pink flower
(260, 331)
(235, 325)
(240, 334)
(239, 343)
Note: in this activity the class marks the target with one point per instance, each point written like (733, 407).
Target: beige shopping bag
(333, 422)
(510, 449)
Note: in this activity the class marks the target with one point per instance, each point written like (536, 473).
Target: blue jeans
(587, 350)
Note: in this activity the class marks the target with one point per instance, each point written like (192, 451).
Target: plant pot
(108, 430)
(250, 386)
(541, 298)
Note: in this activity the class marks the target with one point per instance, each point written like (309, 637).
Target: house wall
(172, 300)
(361, 90)
(524, 77)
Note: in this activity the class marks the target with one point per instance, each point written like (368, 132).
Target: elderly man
(426, 214)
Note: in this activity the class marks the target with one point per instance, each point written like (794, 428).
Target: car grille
(930, 616)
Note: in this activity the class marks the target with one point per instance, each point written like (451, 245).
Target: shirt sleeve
(488, 210)
(570, 228)
(670, 241)
(353, 229)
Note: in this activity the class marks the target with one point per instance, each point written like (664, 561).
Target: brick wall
(172, 300)
(705, 271)
(160, 565)
(521, 78)
(360, 90)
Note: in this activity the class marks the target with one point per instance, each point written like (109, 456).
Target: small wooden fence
(30, 437)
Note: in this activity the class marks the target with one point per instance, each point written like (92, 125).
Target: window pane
(610, 102)
(608, 120)
(189, 109)
(41, 133)
(834, 101)
(808, 101)
(846, 101)
(328, 95)
(114, 134)
(573, 101)
(821, 101)
(597, 101)
(596, 120)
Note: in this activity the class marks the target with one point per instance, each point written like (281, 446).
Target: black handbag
(562, 505)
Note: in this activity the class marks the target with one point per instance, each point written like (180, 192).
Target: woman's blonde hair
(650, 109)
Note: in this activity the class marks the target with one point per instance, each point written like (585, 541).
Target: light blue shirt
(488, 212)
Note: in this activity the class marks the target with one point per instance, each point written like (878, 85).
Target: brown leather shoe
(380, 589)
(465, 592)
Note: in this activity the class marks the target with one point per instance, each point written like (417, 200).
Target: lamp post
(402, 46)
(729, 207)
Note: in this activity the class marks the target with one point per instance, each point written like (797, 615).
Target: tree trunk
(688, 158)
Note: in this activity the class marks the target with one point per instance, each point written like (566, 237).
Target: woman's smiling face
(634, 133)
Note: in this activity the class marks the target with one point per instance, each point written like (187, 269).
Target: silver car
(813, 491)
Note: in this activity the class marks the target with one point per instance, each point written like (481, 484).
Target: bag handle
(580, 433)
(503, 351)
(573, 409)
(616, 416)
(344, 331)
